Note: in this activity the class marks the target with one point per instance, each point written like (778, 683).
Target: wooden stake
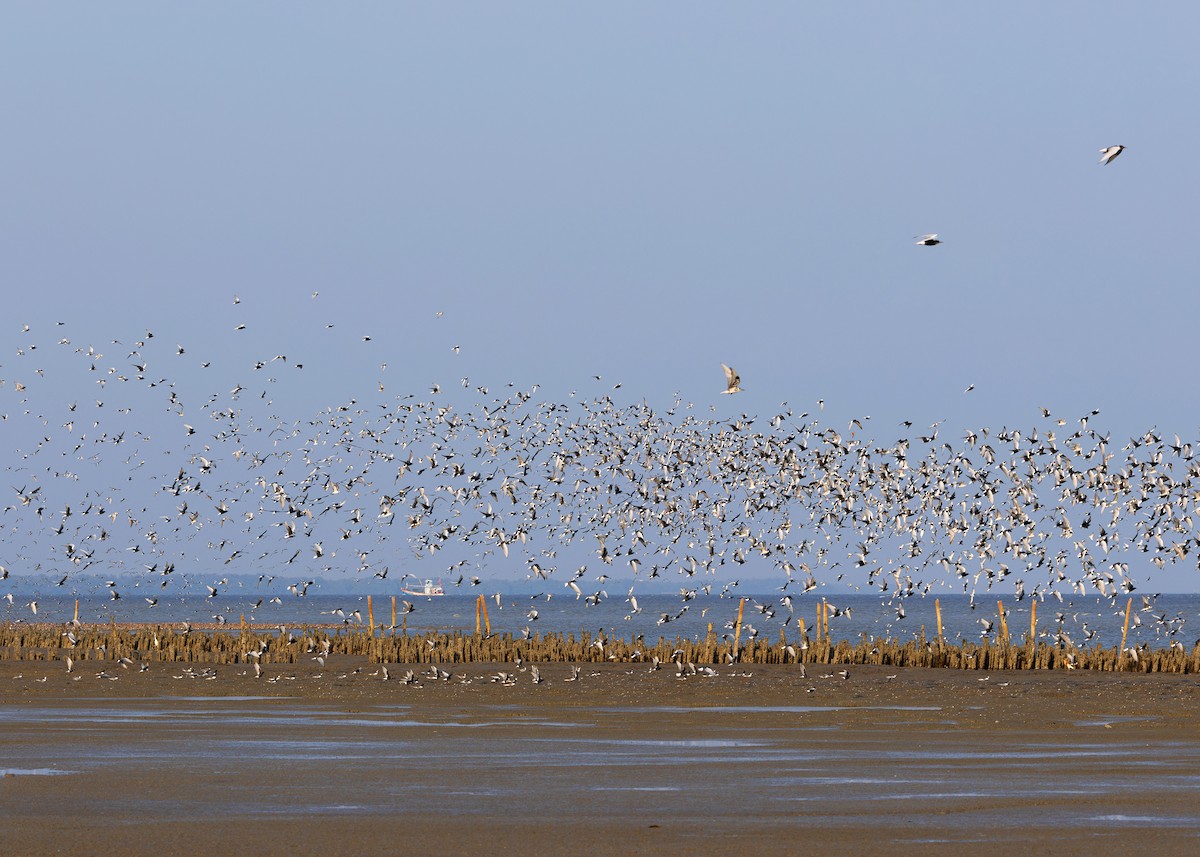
(487, 623)
(393, 615)
(1125, 631)
(478, 614)
(1033, 620)
(1003, 621)
(937, 606)
(737, 631)
(371, 616)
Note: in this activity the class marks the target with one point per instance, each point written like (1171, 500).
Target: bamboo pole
(371, 616)
(1125, 631)
(937, 606)
(737, 631)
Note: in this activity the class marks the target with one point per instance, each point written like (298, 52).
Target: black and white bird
(1110, 152)
(929, 240)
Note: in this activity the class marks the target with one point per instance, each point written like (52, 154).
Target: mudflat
(311, 759)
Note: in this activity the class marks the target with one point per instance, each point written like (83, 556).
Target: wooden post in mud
(737, 631)
(479, 614)
(371, 616)
(393, 615)
(1125, 631)
(1003, 621)
(487, 623)
(937, 607)
(1033, 621)
(75, 621)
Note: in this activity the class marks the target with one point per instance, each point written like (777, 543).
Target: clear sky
(630, 190)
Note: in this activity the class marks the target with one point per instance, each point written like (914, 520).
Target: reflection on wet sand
(927, 761)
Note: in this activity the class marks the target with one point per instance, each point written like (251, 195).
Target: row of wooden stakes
(170, 644)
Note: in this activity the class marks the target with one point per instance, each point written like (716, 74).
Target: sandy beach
(623, 760)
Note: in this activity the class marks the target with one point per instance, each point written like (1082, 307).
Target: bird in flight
(732, 381)
(1110, 152)
(928, 240)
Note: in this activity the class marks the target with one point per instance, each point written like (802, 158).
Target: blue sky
(636, 191)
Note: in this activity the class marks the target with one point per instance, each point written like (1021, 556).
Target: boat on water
(427, 589)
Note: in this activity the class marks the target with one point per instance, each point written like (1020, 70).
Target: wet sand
(622, 761)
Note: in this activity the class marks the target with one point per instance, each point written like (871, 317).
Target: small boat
(428, 589)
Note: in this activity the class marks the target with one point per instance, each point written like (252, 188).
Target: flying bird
(732, 381)
(929, 240)
(1110, 152)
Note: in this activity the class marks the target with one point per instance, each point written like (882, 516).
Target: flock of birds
(145, 485)
(321, 653)
(507, 678)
